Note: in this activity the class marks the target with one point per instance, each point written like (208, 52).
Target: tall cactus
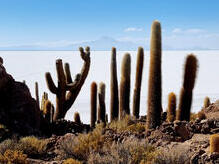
(185, 100)
(154, 88)
(47, 110)
(37, 94)
(206, 102)
(114, 95)
(138, 79)
(102, 106)
(124, 108)
(171, 110)
(43, 101)
(77, 118)
(93, 100)
(67, 90)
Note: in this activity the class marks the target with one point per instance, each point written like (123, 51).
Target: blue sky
(54, 23)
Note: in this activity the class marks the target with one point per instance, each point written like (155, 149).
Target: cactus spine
(102, 106)
(154, 89)
(171, 110)
(124, 108)
(138, 79)
(77, 118)
(93, 115)
(188, 85)
(67, 91)
(114, 95)
(206, 102)
(214, 143)
(37, 94)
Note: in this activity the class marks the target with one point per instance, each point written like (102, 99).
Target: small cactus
(201, 115)
(47, 110)
(43, 101)
(77, 118)
(124, 108)
(214, 143)
(206, 102)
(114, 95)
(102, 106)
(138, 79)
(171, 110)
(185, 100)
(37, 94)
(154, 84)
(93, 100)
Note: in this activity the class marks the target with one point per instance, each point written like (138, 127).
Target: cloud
(188, 31)
(133, 29)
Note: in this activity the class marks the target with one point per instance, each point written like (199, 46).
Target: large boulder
(19, 112)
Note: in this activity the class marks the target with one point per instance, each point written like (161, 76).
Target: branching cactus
(67, 90)
(114, 95)
(37, 94)
(102, 106)
(77, 118)
(138, 79)
(154, 84)
(124, 108)
(185, 100)
(214, 143)
(171, 110)
(206, 102)
(93, 100)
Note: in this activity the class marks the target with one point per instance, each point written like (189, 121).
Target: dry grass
(71, 161)
(13, 157)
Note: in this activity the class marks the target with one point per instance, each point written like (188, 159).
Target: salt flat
(32, 65)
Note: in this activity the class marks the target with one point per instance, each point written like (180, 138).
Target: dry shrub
(130, 151)
(71, 161)
(175, 156)
(193, 116)
(79, 147)
(201, 115)
(13, 157)
(138, 128)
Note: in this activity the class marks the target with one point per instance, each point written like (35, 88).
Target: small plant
(71, 161)
(13, 157)
(214, 143)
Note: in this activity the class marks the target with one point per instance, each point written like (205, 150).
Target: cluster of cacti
(214, 143)
(138, 79)
(185, 99)
(67, 90)
(124, 93)
(171, 110)
(154, 84)
(114, 95)
(93, 104)
(206, 102)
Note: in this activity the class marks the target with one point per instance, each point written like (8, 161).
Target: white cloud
(188, 31)
(133, 29)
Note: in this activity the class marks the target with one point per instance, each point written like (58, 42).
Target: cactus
(37, 94)
(67, 90)
(93, 114)
(206, 102)
(102, 106)
(47, 110)
(186, 91)
(124, 98)
(214, 143)
(43, 101)
(171, 110)
(154, 84)
(77, 118)
(114, 95)
(201, 115)
(138, 79)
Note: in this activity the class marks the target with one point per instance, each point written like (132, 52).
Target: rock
(183, 132)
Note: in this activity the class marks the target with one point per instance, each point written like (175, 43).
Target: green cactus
(77, 118)
(102, 106)
(114, 95)
(37, 94)
(154, 89)
(138, 79)
(67, 90)
(124, 108)
(93, 114)
(171, 110)
(206, 102)
(185, 100)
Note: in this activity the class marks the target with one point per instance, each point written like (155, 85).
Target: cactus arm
(68, 73)
(50, 83)
(60, 73)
